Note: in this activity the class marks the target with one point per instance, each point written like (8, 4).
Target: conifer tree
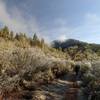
(42, 43)
(35, 37)
(36, 41)
(4, 32)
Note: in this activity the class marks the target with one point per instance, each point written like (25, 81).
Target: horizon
(53, 20)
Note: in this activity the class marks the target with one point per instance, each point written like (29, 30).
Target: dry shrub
(29, 64)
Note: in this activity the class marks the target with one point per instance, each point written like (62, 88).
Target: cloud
(63, 37)
(88, 31)
(58, 30)
(15, 20)
(90, 25)
(92, 19)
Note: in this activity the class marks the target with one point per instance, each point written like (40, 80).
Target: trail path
(64, 88)
(61, 89)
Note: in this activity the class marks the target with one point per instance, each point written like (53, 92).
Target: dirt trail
(60, 89)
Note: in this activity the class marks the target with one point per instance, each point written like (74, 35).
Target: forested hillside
(78, 50)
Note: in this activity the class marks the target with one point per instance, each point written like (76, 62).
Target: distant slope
(78, 50)
(67, 43)
(72, 42)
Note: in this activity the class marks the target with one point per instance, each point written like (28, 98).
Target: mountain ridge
(73, 42)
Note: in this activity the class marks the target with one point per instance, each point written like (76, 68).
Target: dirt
(64, 88)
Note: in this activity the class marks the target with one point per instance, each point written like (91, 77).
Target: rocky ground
(60, 89)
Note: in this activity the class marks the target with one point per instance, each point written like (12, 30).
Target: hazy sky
(53, 19)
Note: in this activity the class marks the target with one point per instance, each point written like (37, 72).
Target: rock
(39, 96)
(79, 83)
(27, 85)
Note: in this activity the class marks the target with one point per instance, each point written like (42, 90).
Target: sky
(53, 19)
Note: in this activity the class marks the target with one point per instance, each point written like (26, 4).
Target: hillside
(30, 69)
(76, 48)
(72, 42)
(26, 63)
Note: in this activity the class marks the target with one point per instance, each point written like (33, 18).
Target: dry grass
(30, 64)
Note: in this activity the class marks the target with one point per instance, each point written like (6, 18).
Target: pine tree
(36, 41)
(4, 32)
(35, 37)
(11, 37)
(42, 43)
